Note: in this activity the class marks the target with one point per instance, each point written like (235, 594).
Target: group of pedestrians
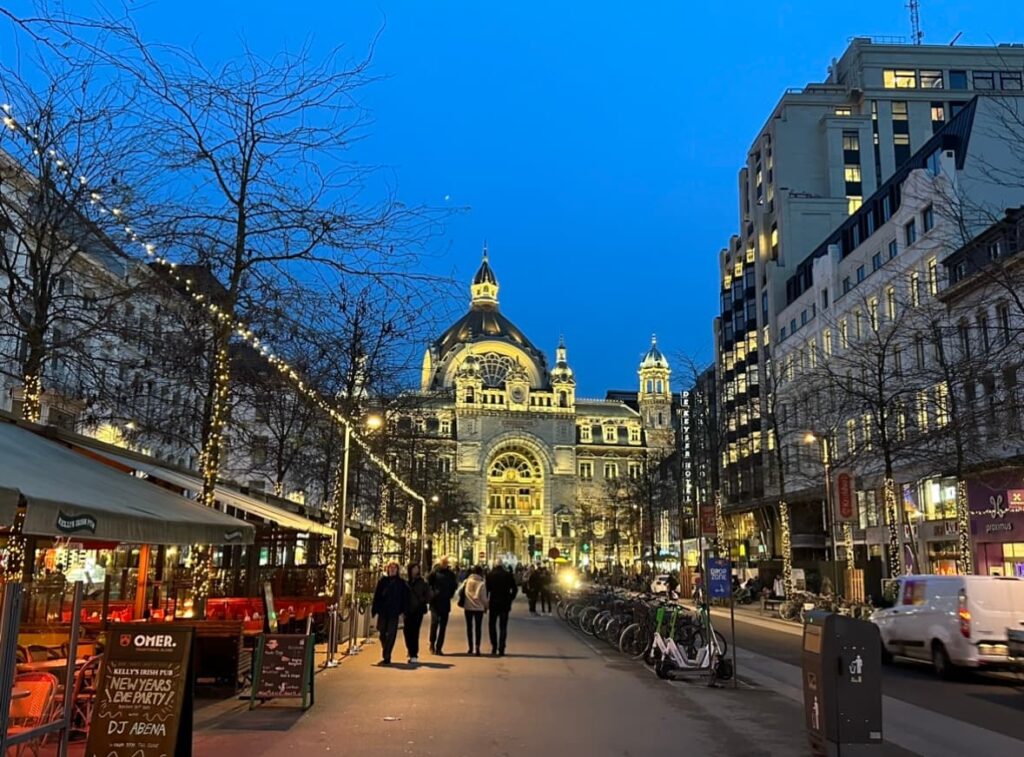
(537, 583)
(411, 597)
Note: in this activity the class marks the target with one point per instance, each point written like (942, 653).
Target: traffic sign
(719, 583)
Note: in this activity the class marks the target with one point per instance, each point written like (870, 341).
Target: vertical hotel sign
(844, 499)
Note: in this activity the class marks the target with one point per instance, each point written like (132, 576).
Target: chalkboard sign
(284, 668)
(144, 698)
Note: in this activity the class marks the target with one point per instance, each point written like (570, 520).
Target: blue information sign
(719, 578)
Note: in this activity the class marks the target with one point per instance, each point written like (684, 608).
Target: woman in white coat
(473, 600)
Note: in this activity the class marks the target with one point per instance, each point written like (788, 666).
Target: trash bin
(842, 672)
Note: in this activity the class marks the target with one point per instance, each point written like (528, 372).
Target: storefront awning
(226, 496)
(67, 494)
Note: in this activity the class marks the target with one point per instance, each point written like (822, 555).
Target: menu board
(144, 697)
(284, 667)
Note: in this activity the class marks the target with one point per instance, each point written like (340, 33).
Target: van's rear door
(996, 604)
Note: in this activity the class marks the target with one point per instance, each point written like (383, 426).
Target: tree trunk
(787, 547)
(32, 371)
(892, 517)
(964, 558)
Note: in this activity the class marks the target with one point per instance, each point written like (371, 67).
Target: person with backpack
(443, 586)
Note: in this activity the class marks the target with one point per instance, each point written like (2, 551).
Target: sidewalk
(752, 615)
(555, 693)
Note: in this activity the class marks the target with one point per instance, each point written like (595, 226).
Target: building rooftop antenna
(916, 35)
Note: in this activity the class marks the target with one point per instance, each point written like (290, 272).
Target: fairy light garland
(720, 526)
(964, 557)
(787, 547)
(32, 409)
(892, 517)
(224, 318)
(13, 565)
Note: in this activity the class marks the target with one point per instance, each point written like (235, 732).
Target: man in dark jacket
(390, 601)
(442, 588)
(501, 590)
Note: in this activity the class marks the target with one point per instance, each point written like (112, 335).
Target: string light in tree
(964, 556)
(787, 547)
(13, 566)
(720, 547)
(210, 458)
(892, 517)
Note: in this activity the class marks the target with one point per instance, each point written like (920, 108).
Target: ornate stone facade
(530, 455)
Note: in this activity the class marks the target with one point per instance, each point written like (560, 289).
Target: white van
(953, 621)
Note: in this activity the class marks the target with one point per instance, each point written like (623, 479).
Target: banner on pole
(708, 522)
(844, 497)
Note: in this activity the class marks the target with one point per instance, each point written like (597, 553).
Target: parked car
(660, 584)
(953, 621)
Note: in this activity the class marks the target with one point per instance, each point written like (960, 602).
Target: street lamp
(423, 528)
(372, 422)
(810, 438)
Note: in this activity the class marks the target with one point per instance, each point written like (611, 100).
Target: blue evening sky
(594, 144)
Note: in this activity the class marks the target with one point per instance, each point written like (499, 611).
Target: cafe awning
(225, 496)
(67, 494)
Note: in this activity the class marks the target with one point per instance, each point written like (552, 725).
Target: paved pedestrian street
(552, 694)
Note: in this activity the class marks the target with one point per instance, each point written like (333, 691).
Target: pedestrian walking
(390, 602)
(532, 588)
(473, 600)
(419, 596)
(501, 591)
(545, 590)
(442, 588)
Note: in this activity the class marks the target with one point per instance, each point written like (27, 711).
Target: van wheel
(887, 658)
(944, 668)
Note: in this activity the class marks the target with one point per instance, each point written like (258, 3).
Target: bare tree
(63, 281)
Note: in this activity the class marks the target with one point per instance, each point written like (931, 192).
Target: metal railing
(10, 612)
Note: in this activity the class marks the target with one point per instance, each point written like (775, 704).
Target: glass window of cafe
(1013, 561)
(942, 558)
(937, 498)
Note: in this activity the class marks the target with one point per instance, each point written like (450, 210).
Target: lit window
(933, 276)
(851, 140)
(922, 410)
(844, 337)
(915, 289)
(931, 80)
(843, 111)
(853, 204)
(873, 312)
(941, 405)
(852, 173)
(826, 342)
(890, 302)
(858, 324)
(899, 78)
